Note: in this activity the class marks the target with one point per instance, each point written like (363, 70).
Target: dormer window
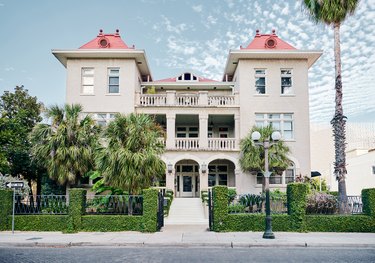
(187, 77)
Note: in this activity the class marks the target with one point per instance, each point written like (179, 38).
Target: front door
(187, 186)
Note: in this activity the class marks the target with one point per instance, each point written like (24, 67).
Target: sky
(186, 35)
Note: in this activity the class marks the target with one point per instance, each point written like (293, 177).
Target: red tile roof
(268, 41)
(112, 41)
(174, 79)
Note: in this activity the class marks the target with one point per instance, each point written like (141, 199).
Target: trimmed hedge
(220, 209)
(150, 210)
(110, 223)
(368, 200)
(340, 223)
(255, 222)
(77, 203)
(297, 202)
(41, 222)
(6, 209)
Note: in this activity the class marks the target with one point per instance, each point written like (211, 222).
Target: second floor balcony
(198, 99)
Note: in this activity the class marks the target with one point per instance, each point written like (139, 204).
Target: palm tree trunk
(338, 125)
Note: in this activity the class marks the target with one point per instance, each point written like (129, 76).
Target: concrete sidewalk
(186, 236)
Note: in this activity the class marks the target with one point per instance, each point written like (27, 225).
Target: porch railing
(187, 143)
(187, 100)
(224, 100)
(114, 204)
(153, 100)
(40, 204)
(221, 143)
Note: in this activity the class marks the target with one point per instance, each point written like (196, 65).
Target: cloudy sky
(185, 35)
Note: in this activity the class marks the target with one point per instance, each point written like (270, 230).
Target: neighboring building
(360, 157)
(265, 82)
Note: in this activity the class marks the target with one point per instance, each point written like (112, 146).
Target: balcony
(214, 144)
(202, 98)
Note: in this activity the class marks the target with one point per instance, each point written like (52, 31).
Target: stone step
(186, 211)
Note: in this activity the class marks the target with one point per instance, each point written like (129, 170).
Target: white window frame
(286, 75)
(182, 77)
(187, 131)
(263, 119)
(85, 75)
(291, 168)
(113, 75)
(217, 173)
(103, 118)
(258, 75)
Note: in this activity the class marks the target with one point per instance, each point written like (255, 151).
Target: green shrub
(368, 200)
(340, 223)
(236, 208)
(6, 208)
(256, 222)
(77, 204)
(220, 209)
(150, 210)
(231, 194)
(204, 196)
(296, 194)
(41, 222)
(112, 223)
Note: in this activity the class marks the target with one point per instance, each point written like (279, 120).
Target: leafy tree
(333, 13)
(66, 146)
(253, 156)
(132, 158)
(19, 113)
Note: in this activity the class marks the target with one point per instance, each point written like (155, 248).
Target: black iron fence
(40, 204)
(251, 203)
(210, 211)
(325, 204)
(160, 213)
(114, 204)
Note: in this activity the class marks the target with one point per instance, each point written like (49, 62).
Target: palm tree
(131, 158)
(333, 13)
(253, 157)
(66, 146)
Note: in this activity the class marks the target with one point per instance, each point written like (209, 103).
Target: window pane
(187, 168)
(274, 116)
(114, 71)
(181, 135)
(259, 178)
(275, 179)
(288, 126)
(181, 128)
(222, 179)
(275, 125)
(286, 71)
(286, 81)
(288, 135)
(260, 71)
(259, 116)
(193, 129)
(193, 135)
(211, 180)
(113, 80)
(88, 71)
(222, 168)
(113, 89)
(212, 168)
(259, 123)
(88, 89)
(102, 115)
(88, 80)
(260, 81)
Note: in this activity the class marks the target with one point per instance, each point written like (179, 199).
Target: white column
(171, 97)
(169, 180)
(237, 130)
(171, 129)
(137, 98)
(236, 98)
(203, 129)
(203, 98)
(203, 180)
(237, 180)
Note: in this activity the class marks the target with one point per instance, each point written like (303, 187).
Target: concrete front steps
(186, 211)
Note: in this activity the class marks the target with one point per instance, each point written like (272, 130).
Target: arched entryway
(221, 172)
(187, 178)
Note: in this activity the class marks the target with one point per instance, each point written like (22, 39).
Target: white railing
(187, 100)
(187, 143)
(221, 144)
(153, 100)
(223, 100)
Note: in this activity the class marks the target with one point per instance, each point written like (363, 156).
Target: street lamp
(275, 136)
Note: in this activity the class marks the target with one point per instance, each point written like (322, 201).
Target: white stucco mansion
(265, 82)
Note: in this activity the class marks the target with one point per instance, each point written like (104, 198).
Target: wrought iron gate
(210, 211)
(160, 214)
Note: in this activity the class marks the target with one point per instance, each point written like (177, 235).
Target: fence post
(220, 207)
(296, 196)
(77, 203)
(368, 201)
(6, 206)
(150, 210)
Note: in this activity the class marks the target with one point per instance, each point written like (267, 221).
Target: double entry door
(187, 182)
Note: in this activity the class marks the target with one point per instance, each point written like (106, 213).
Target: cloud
(197, 8)
(174, 28)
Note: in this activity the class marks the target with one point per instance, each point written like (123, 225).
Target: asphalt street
(181, 254)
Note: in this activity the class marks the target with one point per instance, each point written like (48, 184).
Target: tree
(66, 146)
(131, 159)
(19, 113)
(333, 13)
(252, 156)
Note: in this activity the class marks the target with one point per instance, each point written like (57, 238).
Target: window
(217, 175)
(282, 122)
(276, 178)
(113, 80)
(87, 81)
(260, 81)
(102, 119)
(290, 174)
(373, 169)
(286, 81)
(187, 77)
(187, 132)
